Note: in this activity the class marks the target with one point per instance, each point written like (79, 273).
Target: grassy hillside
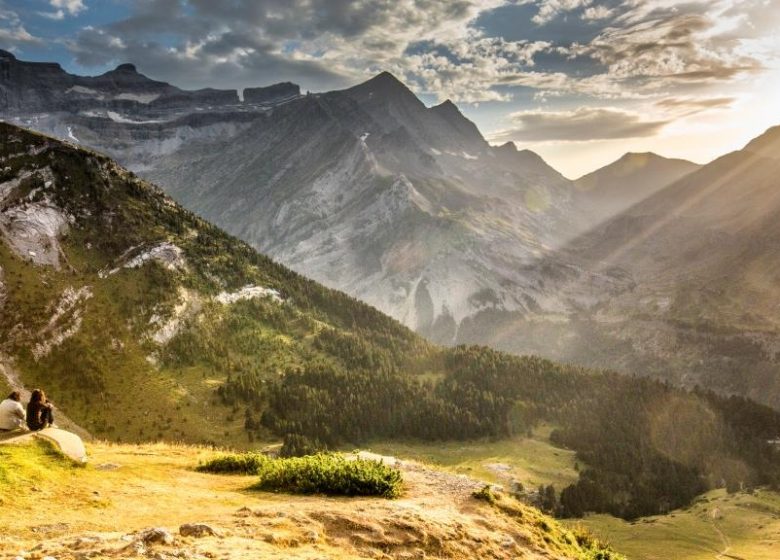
(135, 351)
(127, 489)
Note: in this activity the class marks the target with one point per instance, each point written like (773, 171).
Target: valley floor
(718, 526)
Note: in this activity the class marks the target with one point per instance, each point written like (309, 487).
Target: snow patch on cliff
(85, 91)
(139, 97)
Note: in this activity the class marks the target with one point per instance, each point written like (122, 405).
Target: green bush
(485, 494)
(329, 474)
(243, 463)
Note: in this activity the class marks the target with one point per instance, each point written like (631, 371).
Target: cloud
(579, 125)
(627, 49)
(59, 15)
(73, 7)
(550, 9)
(63, 7)
(594, 13)
(686, 106)
(12, 32)
(701, 103)
(320, 44)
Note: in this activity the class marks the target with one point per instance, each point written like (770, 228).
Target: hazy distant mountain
(704, 257)
(628, 180)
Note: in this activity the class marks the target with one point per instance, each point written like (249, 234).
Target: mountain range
(650, 265)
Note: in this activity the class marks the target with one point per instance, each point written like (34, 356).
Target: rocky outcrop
(30, 222)
(273, 93)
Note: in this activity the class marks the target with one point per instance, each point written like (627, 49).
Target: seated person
(12, 412)
(40, 412)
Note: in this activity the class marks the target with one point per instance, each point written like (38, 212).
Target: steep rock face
(405, 207)
(270, 94)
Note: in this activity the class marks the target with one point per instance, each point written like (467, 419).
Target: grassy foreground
(743, 525)
(101, 509)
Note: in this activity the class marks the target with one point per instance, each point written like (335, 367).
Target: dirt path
(9, 373)
(724, 538)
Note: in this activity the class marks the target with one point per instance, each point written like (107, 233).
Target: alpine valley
(650, 265)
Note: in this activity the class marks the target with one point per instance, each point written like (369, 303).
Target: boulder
(196, 530)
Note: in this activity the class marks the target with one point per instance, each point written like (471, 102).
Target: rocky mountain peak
(6, 55)
(506, 148)
(449, 111)
(447, 106)
(126, 67)
(384, 86)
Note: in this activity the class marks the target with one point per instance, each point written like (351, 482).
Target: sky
(581, 82)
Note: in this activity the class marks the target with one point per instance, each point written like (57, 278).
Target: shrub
(296, 445)
(243, 463)
(329, 474)
(485, 494)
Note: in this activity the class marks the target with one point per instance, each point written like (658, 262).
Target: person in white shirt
(12, 414)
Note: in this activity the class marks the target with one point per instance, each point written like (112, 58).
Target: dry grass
(126, 489)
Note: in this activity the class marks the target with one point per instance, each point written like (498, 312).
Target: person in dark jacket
(40, 412)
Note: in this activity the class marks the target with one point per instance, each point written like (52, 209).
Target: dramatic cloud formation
(504, 57)
(578, 125)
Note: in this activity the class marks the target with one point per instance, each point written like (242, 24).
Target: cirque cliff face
(27, 87)
(403, 206)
